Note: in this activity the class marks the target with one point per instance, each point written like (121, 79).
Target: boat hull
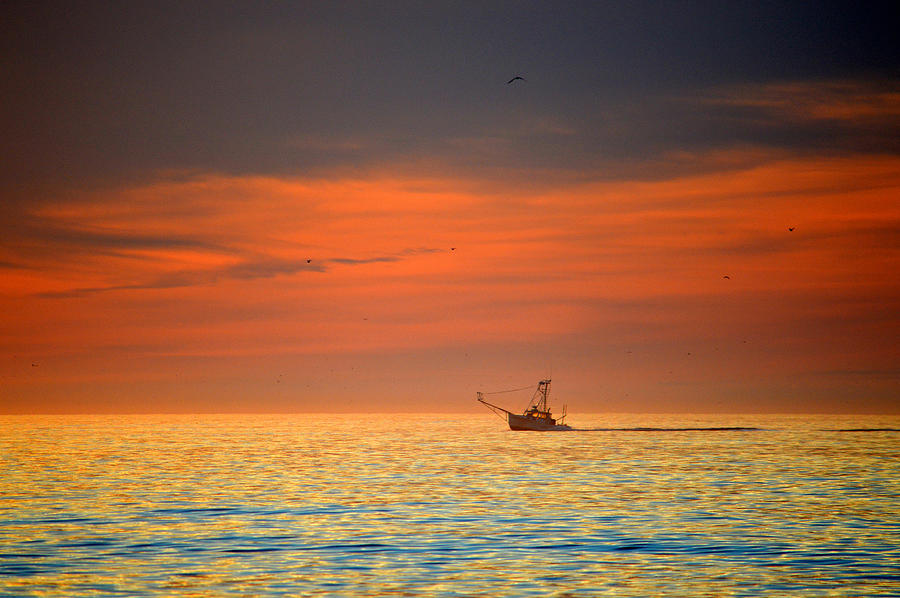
(521, 423)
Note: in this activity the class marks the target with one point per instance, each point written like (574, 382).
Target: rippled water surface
(449, 505)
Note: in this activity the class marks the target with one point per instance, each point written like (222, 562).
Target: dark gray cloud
(252, 267)
(96, 91)
(27, 239)
(104, 241)
(371, 260)
(266, 267)
(384, 258)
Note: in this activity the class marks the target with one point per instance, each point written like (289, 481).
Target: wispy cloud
(247, 270)
(850, 101)
(79, 240)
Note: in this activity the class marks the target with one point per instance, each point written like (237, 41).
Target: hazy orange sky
(308, 208)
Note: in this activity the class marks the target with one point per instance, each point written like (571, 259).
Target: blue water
(443, 505)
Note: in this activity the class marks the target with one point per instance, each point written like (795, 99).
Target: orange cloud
(255, 267)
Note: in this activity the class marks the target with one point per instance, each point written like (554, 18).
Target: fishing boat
(536, 416)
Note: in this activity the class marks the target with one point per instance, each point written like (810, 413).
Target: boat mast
(539, 400)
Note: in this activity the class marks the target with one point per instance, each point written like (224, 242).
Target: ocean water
(449, 505)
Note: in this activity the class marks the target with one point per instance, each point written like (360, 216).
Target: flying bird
(791, 229)
(726, 276)
(308, 261)
(516, 78)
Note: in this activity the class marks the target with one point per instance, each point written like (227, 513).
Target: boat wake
(719, 429)
(864, 430)
(722, 429)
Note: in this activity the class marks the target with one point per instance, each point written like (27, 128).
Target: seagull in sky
(516, 78)
(790, 229)
(726, 276)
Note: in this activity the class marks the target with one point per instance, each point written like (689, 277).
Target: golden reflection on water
(447, 505)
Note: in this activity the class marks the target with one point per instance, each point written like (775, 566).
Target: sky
(682, 207)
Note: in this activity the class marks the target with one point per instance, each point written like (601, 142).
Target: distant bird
(34, 365)
(791, 229)
(726, 276)
(453, 249)
(516, 78)
(308, 261)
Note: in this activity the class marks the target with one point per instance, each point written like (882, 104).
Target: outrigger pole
(491, 406)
